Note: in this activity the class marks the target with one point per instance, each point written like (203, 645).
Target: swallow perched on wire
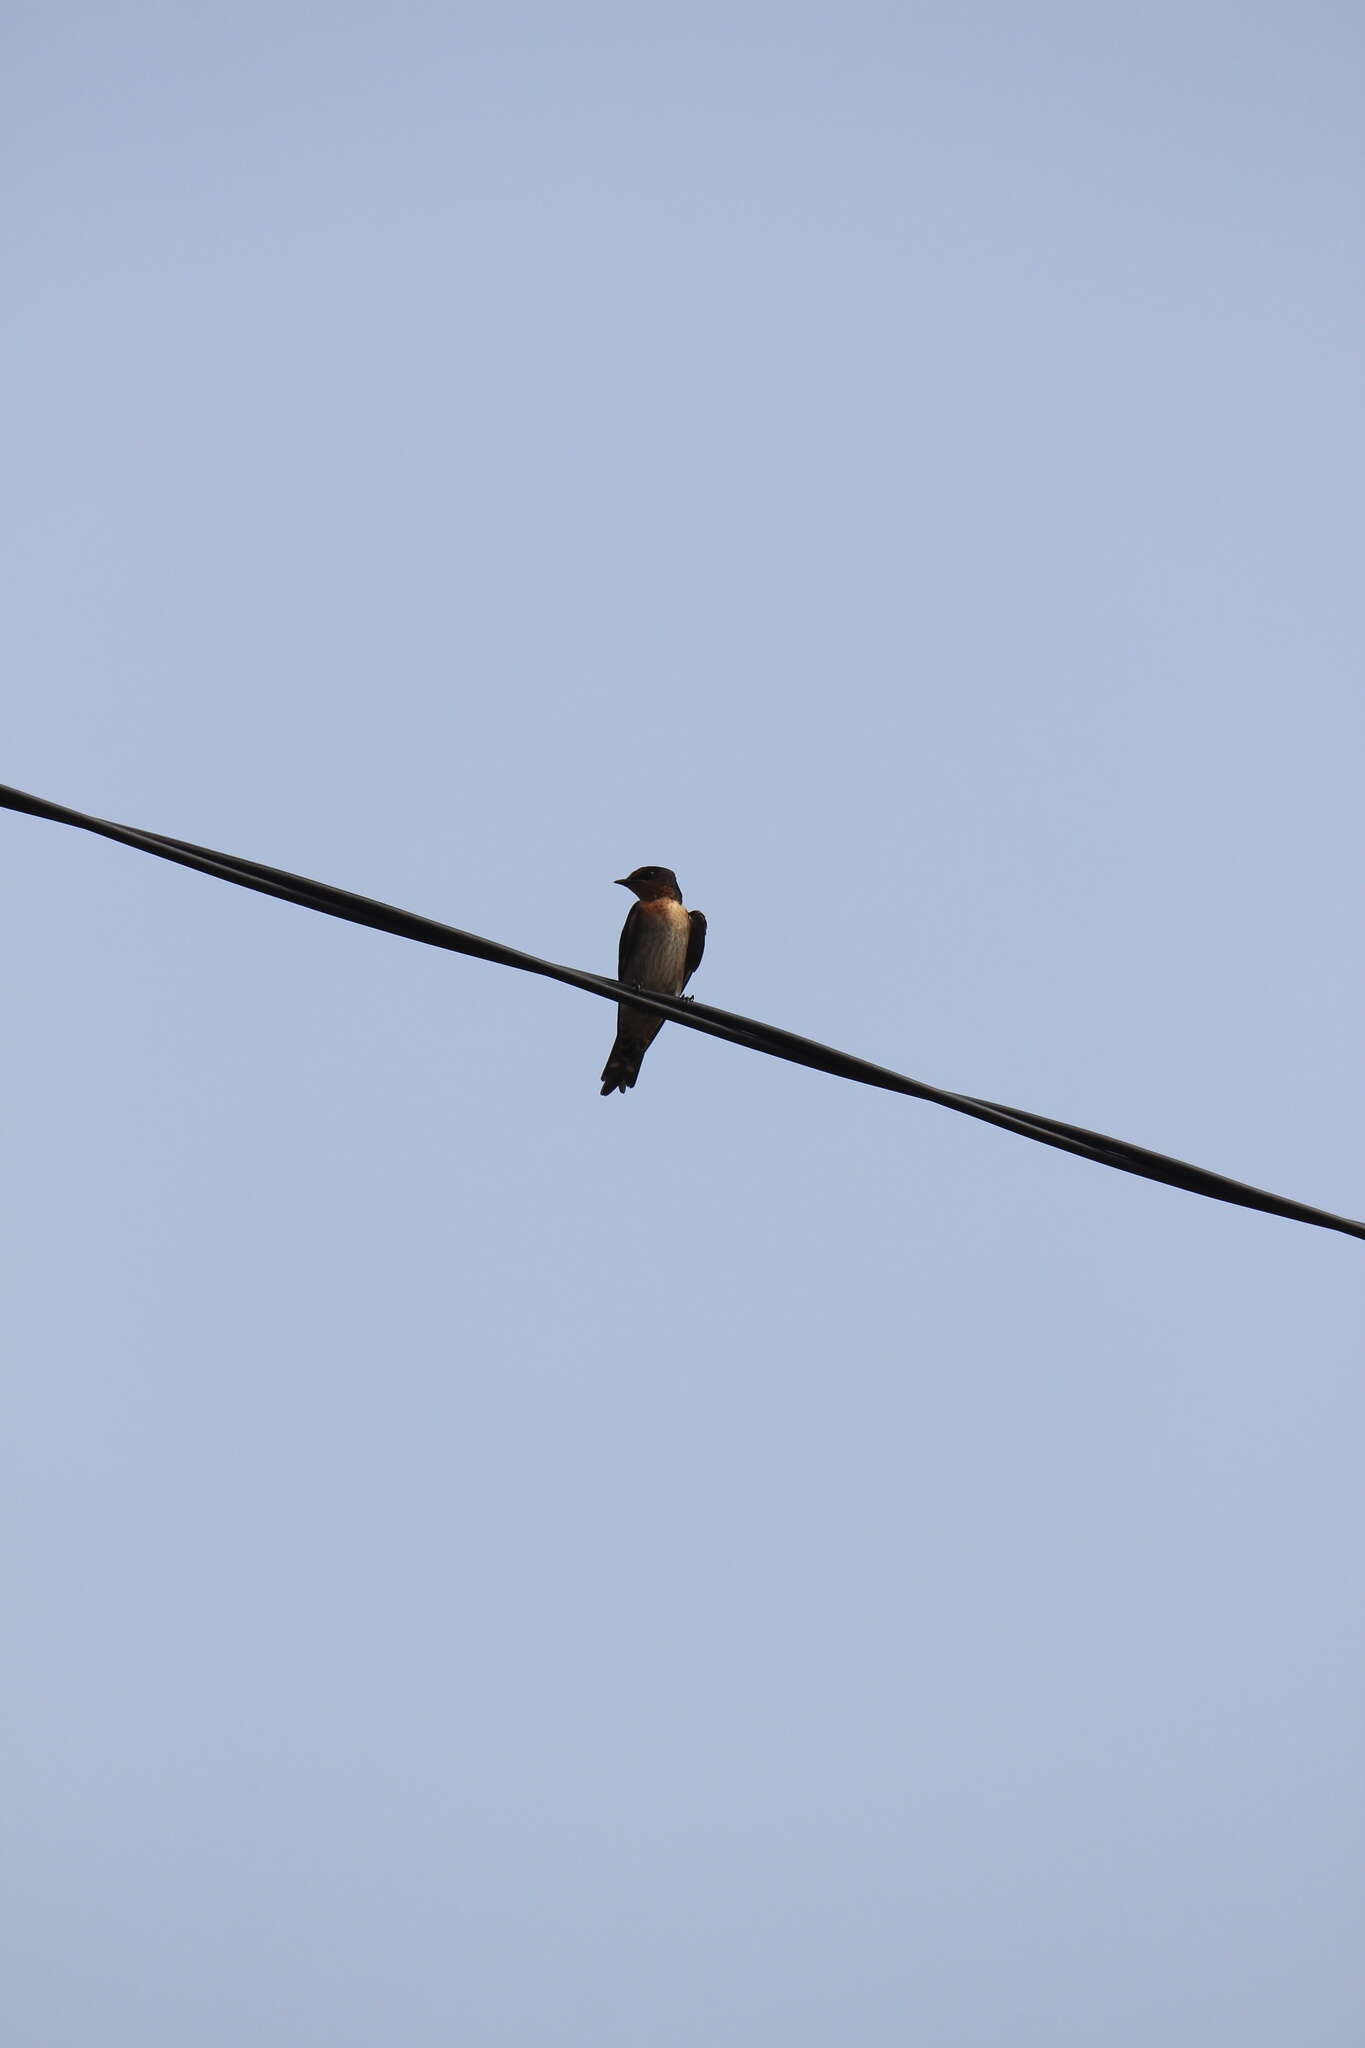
(661, 948)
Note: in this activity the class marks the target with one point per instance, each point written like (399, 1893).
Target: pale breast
(661, 958)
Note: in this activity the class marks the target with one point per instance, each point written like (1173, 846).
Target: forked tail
(623, 1065)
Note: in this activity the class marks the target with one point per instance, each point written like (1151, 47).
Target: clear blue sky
(753, 1560)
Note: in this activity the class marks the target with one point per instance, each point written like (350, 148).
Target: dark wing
(630, 938)
(696, 945)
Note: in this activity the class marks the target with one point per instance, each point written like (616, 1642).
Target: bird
(661, 949)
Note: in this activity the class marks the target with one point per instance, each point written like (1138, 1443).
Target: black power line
(747, 1031)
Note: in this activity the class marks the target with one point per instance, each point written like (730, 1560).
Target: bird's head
(650, 884)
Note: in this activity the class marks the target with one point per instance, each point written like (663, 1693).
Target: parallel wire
(747, 1031)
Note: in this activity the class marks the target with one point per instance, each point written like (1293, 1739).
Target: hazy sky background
(754, 1560)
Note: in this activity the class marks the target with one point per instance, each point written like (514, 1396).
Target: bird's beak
(623, 881)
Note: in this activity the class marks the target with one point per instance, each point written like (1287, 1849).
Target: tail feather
(634, 1037)
(622, 1068)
